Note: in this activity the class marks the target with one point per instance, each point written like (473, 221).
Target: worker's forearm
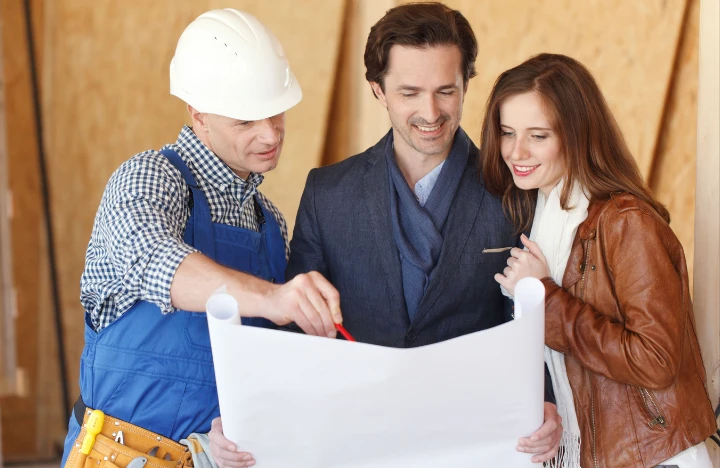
(198, 277)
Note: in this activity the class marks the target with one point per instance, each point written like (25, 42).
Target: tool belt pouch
(109, 452)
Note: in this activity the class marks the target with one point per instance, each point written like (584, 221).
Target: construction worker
(175, 225)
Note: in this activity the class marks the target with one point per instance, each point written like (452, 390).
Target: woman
(619, 325)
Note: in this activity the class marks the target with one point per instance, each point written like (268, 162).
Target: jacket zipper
(592, 392)
(584, 268)
(658, 418)
(592, 419)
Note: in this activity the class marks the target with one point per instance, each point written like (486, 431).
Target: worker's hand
(310, 301)
(224, 452)
(546, 440)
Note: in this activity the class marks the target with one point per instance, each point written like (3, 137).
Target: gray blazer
(344, 231)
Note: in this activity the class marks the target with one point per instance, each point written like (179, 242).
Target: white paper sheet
(297, 401)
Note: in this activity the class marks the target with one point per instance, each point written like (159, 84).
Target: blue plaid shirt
(137, 239)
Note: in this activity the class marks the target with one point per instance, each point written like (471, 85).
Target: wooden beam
(1, 452)
(26, 228)
(707, 225)
(8, 361)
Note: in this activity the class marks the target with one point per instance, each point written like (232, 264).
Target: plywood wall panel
(357, 120)
(337, 136)
(629, 47)
(673, 174)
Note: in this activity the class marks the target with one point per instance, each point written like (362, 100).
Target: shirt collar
(457, 157)
(211, 167)
(424, 186)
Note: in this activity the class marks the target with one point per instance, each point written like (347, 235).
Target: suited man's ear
(379, 93)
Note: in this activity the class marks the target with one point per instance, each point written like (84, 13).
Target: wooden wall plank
(357, 119)
(1, 447)
(21, 411)
(8, 352)
(707, 225)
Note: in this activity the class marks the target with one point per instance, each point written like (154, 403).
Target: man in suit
(400, 229)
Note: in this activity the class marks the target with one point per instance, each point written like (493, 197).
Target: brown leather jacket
(624, 320)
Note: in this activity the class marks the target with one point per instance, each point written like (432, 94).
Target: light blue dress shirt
(424, 186)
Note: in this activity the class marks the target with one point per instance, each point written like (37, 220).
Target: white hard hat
(228, 63)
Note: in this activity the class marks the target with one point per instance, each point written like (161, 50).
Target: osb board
(109, 100)
(337, 136)
(629, 47)
(357, 120)
(25, 228)
(673, 174)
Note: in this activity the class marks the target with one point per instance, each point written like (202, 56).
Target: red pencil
(344, 332)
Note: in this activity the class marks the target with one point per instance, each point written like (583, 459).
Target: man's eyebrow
(408, 88)
(417, 88)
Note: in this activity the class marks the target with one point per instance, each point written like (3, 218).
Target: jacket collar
(587, 232)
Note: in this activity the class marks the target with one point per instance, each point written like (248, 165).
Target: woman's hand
(546, 440)
(529, 263)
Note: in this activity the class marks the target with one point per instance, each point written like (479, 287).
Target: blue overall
(155, 370)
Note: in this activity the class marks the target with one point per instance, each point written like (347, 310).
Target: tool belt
(119, 444)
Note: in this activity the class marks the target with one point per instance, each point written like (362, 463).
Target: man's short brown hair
(419, 25)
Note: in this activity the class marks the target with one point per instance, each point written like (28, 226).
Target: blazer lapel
(463, 215)
(377, 197)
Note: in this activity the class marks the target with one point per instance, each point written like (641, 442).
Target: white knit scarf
(553, 230)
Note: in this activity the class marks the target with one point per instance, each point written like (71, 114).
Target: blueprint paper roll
(223, 318)
(530, 307)
(529, 297)
(335, 404)
(222, 307)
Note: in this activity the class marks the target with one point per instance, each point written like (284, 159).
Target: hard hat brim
(231, 107)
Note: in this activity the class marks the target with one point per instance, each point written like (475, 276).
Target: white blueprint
(297, 401)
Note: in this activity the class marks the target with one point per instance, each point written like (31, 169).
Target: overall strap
(203, 238)
(273, 240)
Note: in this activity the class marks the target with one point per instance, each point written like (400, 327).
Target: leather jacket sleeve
(639, 341)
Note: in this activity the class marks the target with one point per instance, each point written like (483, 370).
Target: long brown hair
(595, 152)
(419, 25)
